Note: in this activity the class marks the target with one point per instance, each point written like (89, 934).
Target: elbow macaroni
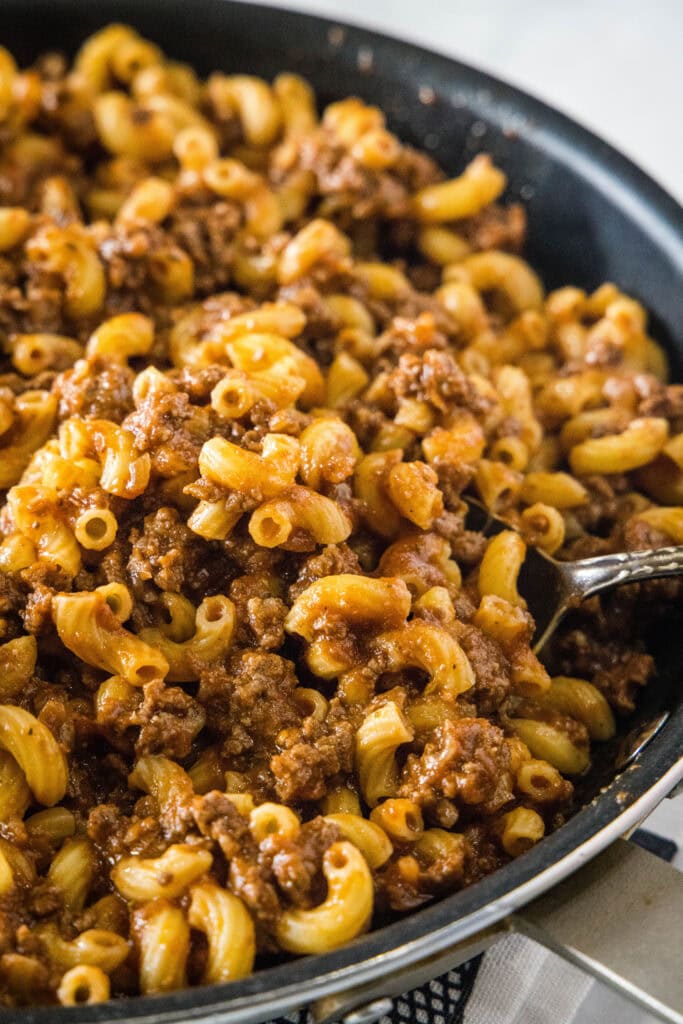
(254, 664)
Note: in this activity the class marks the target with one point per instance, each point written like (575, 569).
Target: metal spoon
(551, 588)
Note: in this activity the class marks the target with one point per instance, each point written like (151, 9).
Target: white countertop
(616, 66)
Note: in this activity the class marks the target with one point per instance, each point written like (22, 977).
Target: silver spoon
(551, 588)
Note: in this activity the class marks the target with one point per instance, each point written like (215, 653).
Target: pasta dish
(260, 684)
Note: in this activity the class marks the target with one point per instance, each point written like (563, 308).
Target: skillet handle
(620, 918)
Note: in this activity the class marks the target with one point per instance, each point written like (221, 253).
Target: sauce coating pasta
(259, 683)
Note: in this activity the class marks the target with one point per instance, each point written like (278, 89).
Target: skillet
(593, 217)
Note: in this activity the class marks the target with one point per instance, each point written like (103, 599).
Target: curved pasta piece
(164, 941)
(17, 664)
(369, 837)
(37, 753)
(296, 511)
(479, 184)
(422, 561)
(238, 392)
(231, 178)
(142, 130)
(275, 356)
(280, 318)
(494, 270)
(55, 824)
(413, 488)
(329, 452)
(167, 876)
(151, 200)
(121, 337)
(15, 221)
(499, 568)
(400, 819)
(377, 740)
(34, 416)
(667, 520)
(168, 783)
(213, 633)
(34, 353)
(97, 947)
(15, 795)
(271, 819)
(638, 444)
(125, 472)
(6, 875)
(71, 252)
(344, 914)
(83, 985)
(522, 829)
(229, 930)
(548, 743)
(428, 647)
(72, 871)
(317, 241)
(557, 489)
(360, 601)
(34, 514)
(254, 102)
(580, 700)
(370, 488)
(543, 526)
(88, 627)
(263, 476)
(93, 64)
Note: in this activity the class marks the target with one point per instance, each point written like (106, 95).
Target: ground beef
(496, 227)
(260, 614)
(30, 301)
(249, 702)
(436, 378)
(321, 322)
(657, 399)
(169, 719)
(639, 535)
(422, 557)
(363, 193)
(172, 430)
(616, 670)
(12, 596)
(296, 863)
(466, 763)
(491, 669)
(217, 817)
(467, 546)
(37, 612)
(251, 882)
(483, 853)
(314, 753)
(115, 835)
(199, 382)
(333, 560)
(407, 882)
(130, 254)
(166, 552)
(96, 388)
(206, 233)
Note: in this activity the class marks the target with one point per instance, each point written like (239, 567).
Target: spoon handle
(592, 575)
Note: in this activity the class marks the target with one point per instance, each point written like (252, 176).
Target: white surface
(614, 65)
(552, 990)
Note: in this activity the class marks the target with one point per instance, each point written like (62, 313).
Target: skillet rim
(630, 795)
